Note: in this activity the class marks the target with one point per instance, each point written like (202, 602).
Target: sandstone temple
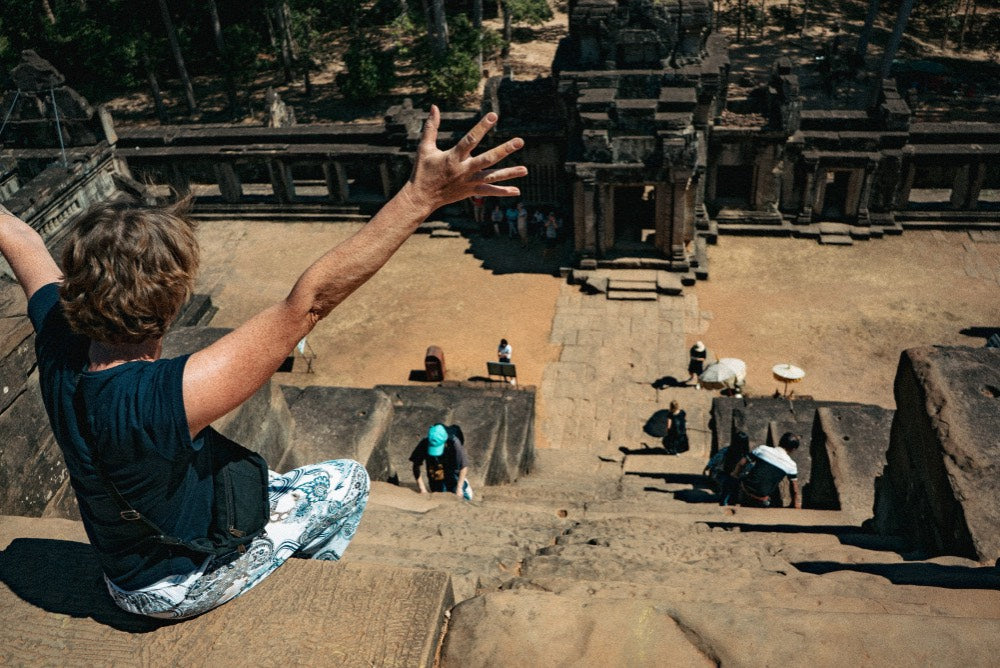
(653, 149)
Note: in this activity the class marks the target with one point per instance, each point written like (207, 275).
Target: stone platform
(56, 612)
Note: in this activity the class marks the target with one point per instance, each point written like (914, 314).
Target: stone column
(680, 216)
(663, 211)
(337, 189)
(281, 181)
(585, 216)
(960, 187)
(607, 221)
(906, 183)
(976, 178)
(230, 186)
(808, 192)
(383, 172)
(864, 200)
(852, 199)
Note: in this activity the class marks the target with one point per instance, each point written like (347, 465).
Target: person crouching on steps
(442, 454)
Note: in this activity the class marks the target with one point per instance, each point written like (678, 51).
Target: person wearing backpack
(441, 452)
(762, 470)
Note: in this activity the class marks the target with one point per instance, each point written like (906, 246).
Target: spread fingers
(471, 140)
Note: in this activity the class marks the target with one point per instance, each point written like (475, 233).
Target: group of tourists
(518, 222)
(751, 477)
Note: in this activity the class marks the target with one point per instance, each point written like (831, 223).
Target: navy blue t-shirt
(136, 422)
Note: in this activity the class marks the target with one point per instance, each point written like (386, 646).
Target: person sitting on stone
(762, 470)
(134, 428)
(441, 452)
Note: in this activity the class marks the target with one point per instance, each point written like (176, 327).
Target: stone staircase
(584, 562)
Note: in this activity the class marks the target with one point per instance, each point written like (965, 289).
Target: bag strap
(125, 509)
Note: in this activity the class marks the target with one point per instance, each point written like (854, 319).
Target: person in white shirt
(760, 472)
(503, 351)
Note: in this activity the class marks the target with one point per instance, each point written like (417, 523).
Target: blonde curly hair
(128, 270)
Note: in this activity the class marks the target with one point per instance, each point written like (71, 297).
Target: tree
(220, 45)
(866, 31)
(905, 8)
(440, 26)
(175, 50)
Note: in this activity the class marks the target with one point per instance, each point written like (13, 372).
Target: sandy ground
(432, 292)
(844, 314)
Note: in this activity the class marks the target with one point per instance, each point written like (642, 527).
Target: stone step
(638, 285)
(836, 240)
(764, 230)
(631, 296)
(57, 612)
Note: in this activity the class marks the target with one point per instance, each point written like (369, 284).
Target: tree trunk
(270, 28)
(175, 49)
(477, 24)
(49, 14)
(154, 87)
(283, 35)
(507, 30)
(763, 18)
(948, 11)
(897, 36)
(965, 24)
(293, 46)
(227, 71)
(440, 26)
(866, 31)
(805, 18)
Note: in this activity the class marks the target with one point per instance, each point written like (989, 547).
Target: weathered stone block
(337, 423)
(940, 485)
(848, 452)
(31, 464)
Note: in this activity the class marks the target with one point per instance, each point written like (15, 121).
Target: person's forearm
(347, 266)
(25, 251)
(420, 480)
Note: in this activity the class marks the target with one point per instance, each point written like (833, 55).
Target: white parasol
(728, 373)
(787, 373)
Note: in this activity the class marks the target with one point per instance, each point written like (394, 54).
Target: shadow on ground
(921, 574)
(503, 255)
(63, 577)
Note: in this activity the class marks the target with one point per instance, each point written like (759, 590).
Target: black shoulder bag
(240, 507)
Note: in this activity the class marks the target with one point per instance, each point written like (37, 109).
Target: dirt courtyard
(432, 292)
(843, 314)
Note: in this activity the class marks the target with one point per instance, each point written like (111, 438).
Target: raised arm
(26, 253)
(223, 375)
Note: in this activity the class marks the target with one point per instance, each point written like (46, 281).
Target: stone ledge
(56, 612)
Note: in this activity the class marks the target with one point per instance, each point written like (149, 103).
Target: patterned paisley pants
(315, 511)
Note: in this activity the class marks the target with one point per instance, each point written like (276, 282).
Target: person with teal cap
(442, 453)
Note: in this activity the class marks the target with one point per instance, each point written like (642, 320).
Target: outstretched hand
(442, 177)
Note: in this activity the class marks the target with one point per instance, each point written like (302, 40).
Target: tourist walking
(551, 234)
(511, 216)
(696, 363)
(442, 453)
(135, 429)
(496, 217)
(675, 440)
(522, 224)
